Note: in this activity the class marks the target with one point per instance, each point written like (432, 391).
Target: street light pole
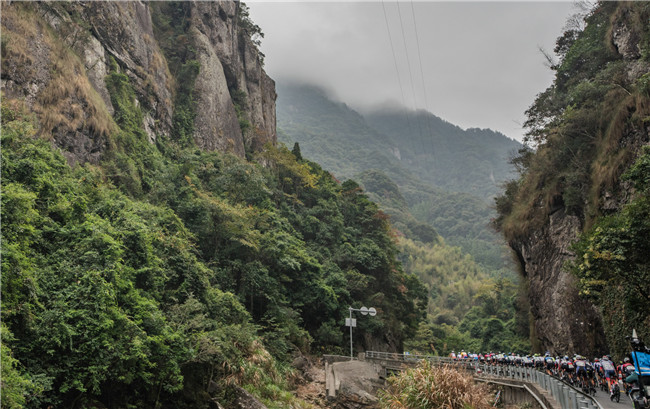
(352, 322)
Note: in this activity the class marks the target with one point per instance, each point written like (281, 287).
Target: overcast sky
(474, 64)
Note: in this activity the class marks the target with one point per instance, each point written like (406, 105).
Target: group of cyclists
(589, 375)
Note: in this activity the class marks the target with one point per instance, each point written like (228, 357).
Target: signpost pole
(351, 322)
(351, 354)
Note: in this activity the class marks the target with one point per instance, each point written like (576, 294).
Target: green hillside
(445, 237)
(346, 144)
(188, 273)
(332, 134)
(473, 161)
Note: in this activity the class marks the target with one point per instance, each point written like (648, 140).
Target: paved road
(606, 403)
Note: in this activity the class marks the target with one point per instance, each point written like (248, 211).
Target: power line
(408, 62)
(399, 80)
(424, 88)
(406, 50)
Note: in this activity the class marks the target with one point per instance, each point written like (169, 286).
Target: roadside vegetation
(434, 387)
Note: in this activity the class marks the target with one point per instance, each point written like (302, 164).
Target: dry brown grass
(68, 102)
(257, 369)
(435, 387)
(17, 33)
(535, 199)
(613, 157)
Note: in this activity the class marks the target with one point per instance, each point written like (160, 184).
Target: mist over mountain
(473, 160)
(445, 176)
(394, 139)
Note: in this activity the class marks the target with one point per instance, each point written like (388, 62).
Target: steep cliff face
(56, 57)
(563, 321)
(230, 65)
(574, 177)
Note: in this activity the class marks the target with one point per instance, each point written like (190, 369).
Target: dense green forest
(158, 286)
(467, 308)
(585, 134)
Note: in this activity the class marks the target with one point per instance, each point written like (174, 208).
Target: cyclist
(600, 376)
(609, 372)
(627, 369)
(549, 362)
(581, 369)
(592, 381)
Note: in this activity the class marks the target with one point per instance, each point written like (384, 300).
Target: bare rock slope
(56, 56)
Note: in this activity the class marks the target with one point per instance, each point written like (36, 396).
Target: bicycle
(616, 393)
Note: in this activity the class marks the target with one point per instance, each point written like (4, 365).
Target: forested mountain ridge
(577, 216)
(158, 249)
(473, 161)
(344, 142)
(395, 140)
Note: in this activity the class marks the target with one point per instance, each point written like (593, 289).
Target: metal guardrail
(404, 357)
(566, 395)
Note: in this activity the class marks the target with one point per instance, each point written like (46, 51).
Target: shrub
(429, 386)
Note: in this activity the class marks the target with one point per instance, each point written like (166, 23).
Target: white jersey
(607, 365)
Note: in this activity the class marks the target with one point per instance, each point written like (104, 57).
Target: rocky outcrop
(230, 63)
(244, 399)
(125, 32)
(353, 385)
(564, 322)
(56, 56)
(625, 39)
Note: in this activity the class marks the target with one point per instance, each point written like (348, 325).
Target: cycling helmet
(626, 360)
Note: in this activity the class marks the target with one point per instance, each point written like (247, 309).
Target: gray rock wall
(564, 322)
(96, 33)
(230, 62)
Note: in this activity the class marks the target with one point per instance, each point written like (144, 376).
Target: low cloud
(478, 64)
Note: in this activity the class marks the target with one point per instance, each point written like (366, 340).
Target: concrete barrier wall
(519, 393)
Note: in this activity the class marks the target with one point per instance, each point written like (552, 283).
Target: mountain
(473, 161)
(395, 140)
(577, 215)
(362, 147)
(332, 134)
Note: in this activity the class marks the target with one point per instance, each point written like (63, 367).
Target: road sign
(350, 322)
